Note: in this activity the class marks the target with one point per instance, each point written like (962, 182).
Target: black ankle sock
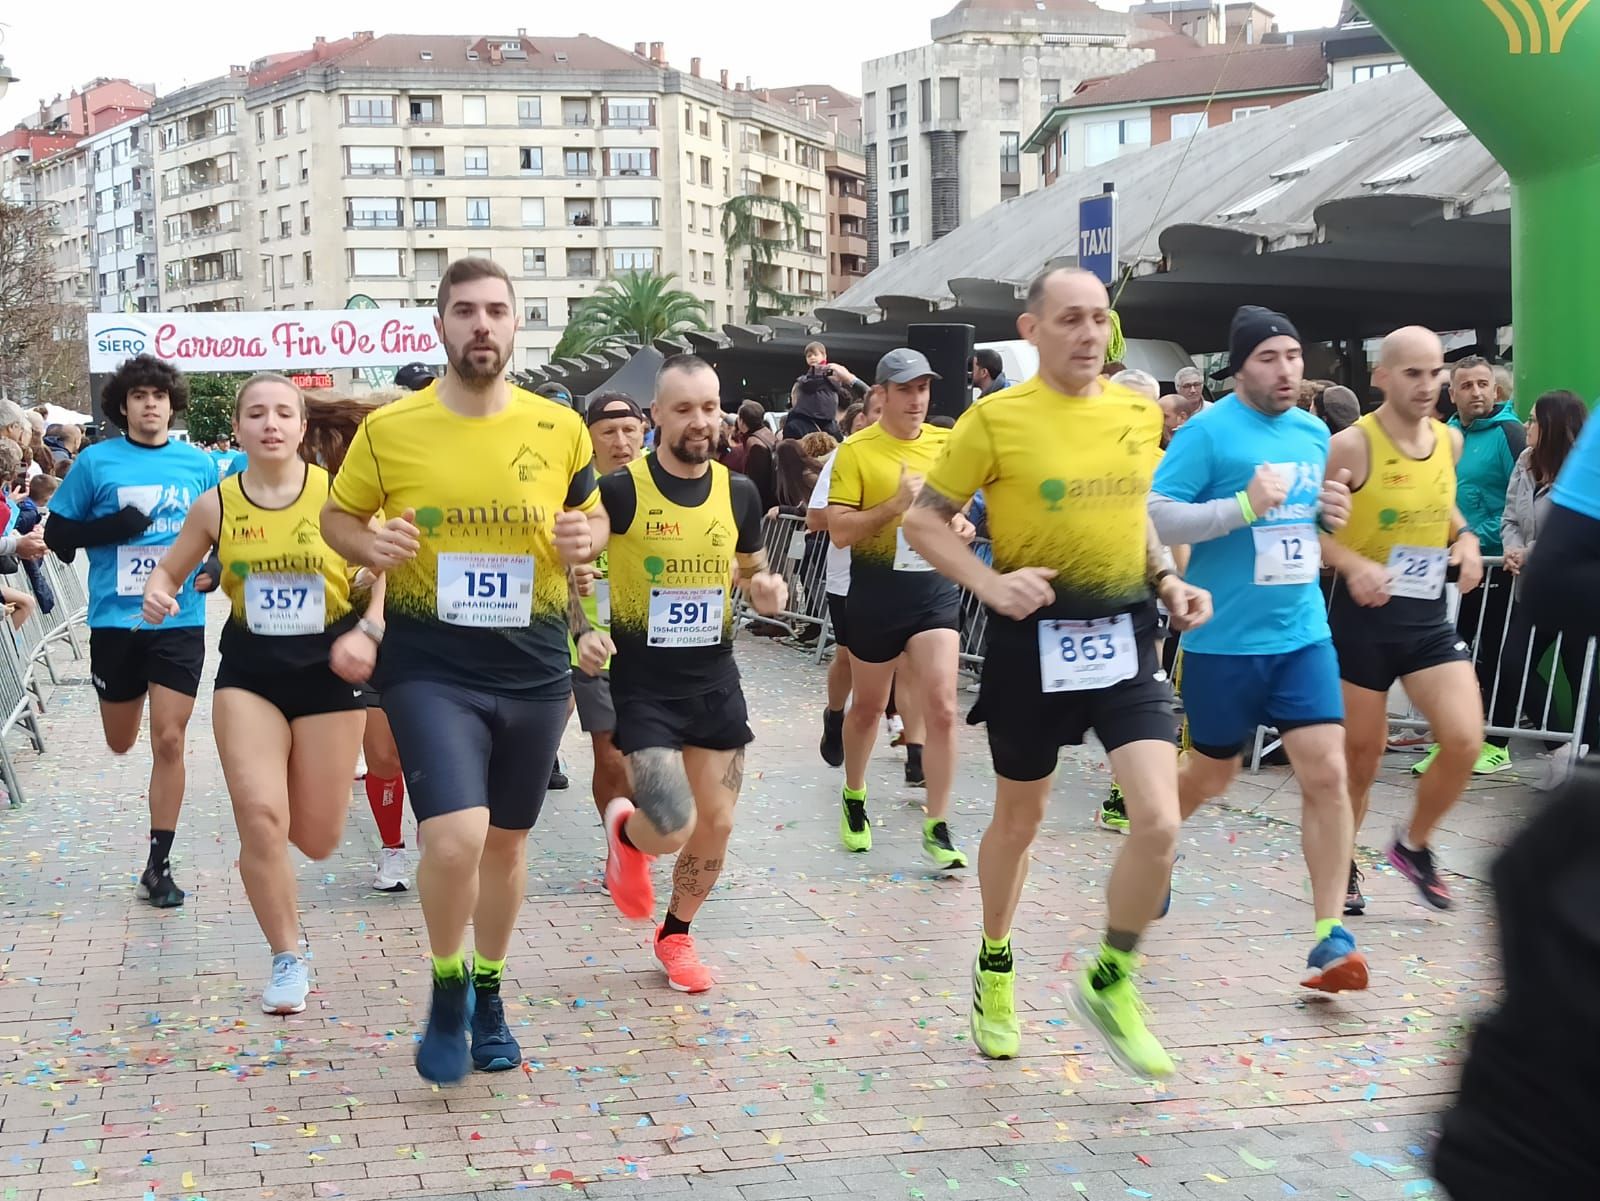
(160, 848)
(622, 836)
(913, 752)
(833, 717)
(673, 924)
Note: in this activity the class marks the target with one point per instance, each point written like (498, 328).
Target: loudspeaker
(949, 350)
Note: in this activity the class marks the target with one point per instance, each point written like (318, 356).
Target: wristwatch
(371, 629)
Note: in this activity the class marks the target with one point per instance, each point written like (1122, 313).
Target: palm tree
(742, 221)
(632, 309)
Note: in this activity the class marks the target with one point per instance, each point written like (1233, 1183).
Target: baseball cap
(904, 365)
(413, 377)
(608, 407)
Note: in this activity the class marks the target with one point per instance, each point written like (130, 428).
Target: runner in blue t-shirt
(1242, 485)
(125, 501)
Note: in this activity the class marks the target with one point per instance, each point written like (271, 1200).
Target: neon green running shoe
(936, 845)
(1118, 1014)
(1424, 763)
(995, 1029)
(855, 831)
(1113, 813)
(1491, 759)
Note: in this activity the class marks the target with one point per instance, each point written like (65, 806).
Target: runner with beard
(490, 496)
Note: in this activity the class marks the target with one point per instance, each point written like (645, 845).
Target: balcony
(851, 244)
(851, 206)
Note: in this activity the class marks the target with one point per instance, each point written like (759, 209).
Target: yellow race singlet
(288, 589)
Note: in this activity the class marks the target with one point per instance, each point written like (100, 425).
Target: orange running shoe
(627, 869)
(678, 959)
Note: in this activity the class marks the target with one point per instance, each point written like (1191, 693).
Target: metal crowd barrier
(1491, 644)
(27, 650)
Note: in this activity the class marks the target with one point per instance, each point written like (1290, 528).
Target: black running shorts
(1376, 664)
(714, 721)
(462, 748)
(876, 640)
(839, 618)
(592, 697)
(1027, 727)
(124, 663)
(307, 692)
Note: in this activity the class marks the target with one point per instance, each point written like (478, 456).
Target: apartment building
(1212, 22)
(363, 167)
(845, 165)
(60, 184)
(943, 124)
(120, 215)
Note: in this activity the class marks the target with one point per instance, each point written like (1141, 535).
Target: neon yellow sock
(486, 973)
(449, 967)
(854, 794)
(1326, 926)
(1001, 946)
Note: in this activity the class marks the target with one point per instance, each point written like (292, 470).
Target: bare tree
(43, 356)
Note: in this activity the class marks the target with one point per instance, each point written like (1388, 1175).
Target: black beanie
(1251, 327)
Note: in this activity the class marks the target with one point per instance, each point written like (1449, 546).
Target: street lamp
(6, 77)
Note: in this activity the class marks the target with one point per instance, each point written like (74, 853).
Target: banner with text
(266, 341)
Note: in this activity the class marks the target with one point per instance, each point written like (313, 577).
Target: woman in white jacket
(1557, 418)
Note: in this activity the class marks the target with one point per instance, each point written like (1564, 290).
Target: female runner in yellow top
(286, 711)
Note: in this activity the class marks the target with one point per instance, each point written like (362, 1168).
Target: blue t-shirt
(235, 466)
(1214, 455)
(163, 481)
(224, 460)
(1578, 486)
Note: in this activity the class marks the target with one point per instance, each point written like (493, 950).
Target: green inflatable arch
(1524, 75)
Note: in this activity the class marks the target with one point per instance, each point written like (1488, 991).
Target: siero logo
(1558, 17)
(123, 340)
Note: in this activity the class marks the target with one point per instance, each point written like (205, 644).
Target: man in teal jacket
(1492, 438)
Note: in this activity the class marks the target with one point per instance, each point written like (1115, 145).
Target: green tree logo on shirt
(239, 568)
(1387, 518)
(655, 565)
(1055, 492)
(430, 520)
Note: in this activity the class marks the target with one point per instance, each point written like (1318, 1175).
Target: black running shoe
(494, 1049)
(1418, 867)
(1355, 904)
(159, 888)
(833, 737)
(442, 1056)
(915, 776)
(558, 778)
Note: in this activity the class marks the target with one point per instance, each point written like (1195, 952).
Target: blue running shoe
(494, 1049)
(442, 1054)
(1335, 965)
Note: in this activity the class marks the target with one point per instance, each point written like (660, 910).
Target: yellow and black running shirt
(1066, 481)
(484, 602)
(671, 561)
(289, 591)
(1400, 517)
(887, 577)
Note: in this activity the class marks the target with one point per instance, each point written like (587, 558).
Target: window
(1185, 125)
(688, 168)
(280, 121)
(724, 135)
(223, 115)
(305, 216)
(305, 165)
(631, 211)
(426, 110)
(475, 160)
(532, 260)
(925, 100)
(900, 212)
(705, 171)
(369, 160)
(427, 162)
(429, 263)
(530, 110)
(261, 127)
(578, 162)
(266, 226)
(896, 249)
(425, 214)
(1362, 74)
(283, 170)
(1010, 191)
(478, 212)
(1104, 140)
(727, 183)
(383, 263)
(536, 314)
(688, 118)
(869, 112)
(369, 110)
(630, 112)
(286, 270)
(1254, 110)
(1049, 91)
(1010, 98)
(897, 107)
(705, 217)
(633, 260)
(532, 212)
(574, 111)
(629, 162)
(474, 110)
(373, 212)
(285, 221)
(949, 99)
(480, 252)
(266, 270)
(580, 263)
(899, 168)
(299, 115)
(305, 270)
(690, 206)
(1010, 158)
(531, 160)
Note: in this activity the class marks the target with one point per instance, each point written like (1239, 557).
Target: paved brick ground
(832, 1060)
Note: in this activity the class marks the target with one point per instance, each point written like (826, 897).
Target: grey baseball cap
(903, 365)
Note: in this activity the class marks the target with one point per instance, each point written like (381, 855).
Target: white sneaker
(1559, 770)
(895, 726)
(361, 765)
(394, 870)
(286, 990)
